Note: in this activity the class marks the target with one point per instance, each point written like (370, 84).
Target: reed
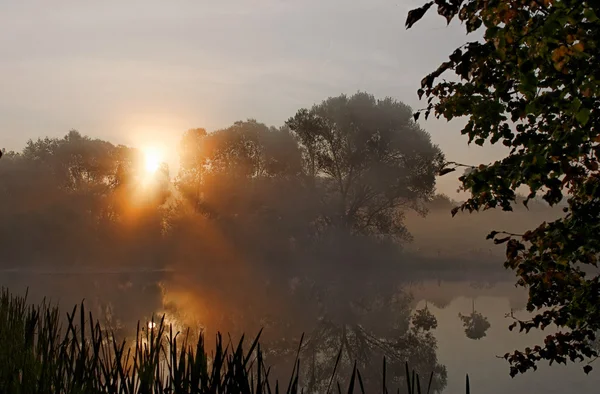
(39, 353)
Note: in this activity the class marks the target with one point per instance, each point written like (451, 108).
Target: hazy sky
(143, 72)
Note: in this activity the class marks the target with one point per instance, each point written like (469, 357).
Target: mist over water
(329, 227)
(146, 294)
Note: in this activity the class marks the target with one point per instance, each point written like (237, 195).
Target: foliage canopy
(532, 83)
(376, 160)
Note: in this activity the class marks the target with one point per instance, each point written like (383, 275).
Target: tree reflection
(476, 325)
(365, 332)
(424, 320)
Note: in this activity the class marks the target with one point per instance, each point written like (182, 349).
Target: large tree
(374, 159)
(532, 83)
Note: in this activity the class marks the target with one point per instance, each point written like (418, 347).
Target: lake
(136, 295)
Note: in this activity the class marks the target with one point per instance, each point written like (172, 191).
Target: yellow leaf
(579, 47)
(559, 53)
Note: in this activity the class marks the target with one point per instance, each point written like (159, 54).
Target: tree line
(351, 166)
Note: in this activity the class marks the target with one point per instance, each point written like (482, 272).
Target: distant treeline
(312, 210)
(444, 241)
(342, 185)
(333, 179)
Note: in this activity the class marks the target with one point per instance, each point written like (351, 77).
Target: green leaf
(575, 104)
(590, 15)
(583, 116)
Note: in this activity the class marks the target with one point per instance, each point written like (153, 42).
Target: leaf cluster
(532, 84)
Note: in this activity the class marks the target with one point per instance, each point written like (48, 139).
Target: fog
(328, 226)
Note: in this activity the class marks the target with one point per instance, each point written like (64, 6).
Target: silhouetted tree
(371, 157)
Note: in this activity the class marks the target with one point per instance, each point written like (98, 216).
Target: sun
(152, 159)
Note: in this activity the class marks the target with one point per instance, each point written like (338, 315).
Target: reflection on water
(479, 358)
(476, 325)
(360, 334)
(450, 328)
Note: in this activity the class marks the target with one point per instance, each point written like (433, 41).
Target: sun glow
(152, 160)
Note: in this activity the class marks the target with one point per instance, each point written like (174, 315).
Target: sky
(141, 73)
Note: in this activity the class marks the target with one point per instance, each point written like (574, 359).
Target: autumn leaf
(579, 47)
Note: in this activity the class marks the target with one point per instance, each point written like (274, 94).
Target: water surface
(137, 295)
